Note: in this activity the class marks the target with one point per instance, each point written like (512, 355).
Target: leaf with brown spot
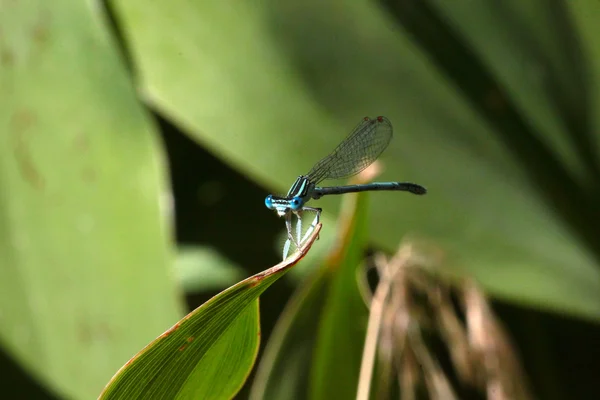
(210, 352)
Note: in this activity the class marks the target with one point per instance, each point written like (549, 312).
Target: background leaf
(482, 208)
(265, 89)
(84, 246)
(203, 268)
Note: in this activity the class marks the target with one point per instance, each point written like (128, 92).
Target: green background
(132, 131)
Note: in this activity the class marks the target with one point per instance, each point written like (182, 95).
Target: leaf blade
(84, 172)
(164, 368)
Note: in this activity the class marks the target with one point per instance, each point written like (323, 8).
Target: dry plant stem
(455, 336)
(411, 300)
(387, 273)
(369, 351)
(362, 279)
(408, 376)
(385, 351)
(400, 322)
(384, 379)
(504, 375)
(438, 385)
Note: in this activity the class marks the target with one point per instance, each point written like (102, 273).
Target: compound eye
(269, 202)
(296, 203)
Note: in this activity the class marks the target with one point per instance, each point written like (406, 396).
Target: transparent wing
(364, 144)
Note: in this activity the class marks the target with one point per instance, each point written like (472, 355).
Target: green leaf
(209, 353)
(342, 327)
(284, 368)
(247, 79)
(203, 268)
(84, 243)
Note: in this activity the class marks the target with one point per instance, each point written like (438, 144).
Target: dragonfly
(360, 149)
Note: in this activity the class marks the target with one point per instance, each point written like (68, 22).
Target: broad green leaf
(209, 353)
(585, 15)
(203, 268)
(84, 244)
(533, 50)
(248, 79)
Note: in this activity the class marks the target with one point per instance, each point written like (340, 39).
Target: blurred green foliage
(495, 108)
(85, 257)
(500, 215)
(203, 269)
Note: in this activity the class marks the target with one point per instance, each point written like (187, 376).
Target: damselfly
(364, 144)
